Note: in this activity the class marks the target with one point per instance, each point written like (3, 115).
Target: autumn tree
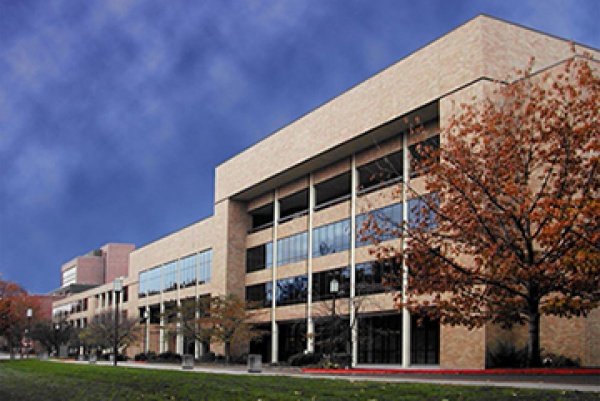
(51, 335)
(100, 332)
(510, 230)
(14, 323)
(223, 319)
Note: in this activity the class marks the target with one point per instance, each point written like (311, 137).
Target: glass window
(70, 276)
(333, 190)
(188, 271)
(380, 172)
(376, 277)
(293, 205)
(423, 155)
(205, 266)
(143, 284)
(154, 281)
(259, 295)
(170, 276)
(322, 280)
(292, 249)
(382, 224)
(293, 290)
(420, 214)
(262, 217)
(331, 238)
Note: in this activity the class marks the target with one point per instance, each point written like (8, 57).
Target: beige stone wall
(591, 355)
(462, 348)
(482, 48)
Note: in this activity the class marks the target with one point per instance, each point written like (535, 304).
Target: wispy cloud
(114, 113)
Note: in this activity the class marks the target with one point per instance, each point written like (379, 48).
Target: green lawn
(35, 380)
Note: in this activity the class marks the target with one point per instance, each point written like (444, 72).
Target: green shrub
(169, 357)
(505, 355)
(559, 361)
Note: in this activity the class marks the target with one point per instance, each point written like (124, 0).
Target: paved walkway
(579, 382)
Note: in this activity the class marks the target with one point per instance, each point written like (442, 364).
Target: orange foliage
(517, 220)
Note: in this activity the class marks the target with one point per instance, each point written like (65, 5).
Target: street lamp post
(334, 288)
(57, 338)
(146, 316)
(117, 287)
(28, 339)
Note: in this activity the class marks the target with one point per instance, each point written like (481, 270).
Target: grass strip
(39, 380)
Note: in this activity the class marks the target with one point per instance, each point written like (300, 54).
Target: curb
(540, 371)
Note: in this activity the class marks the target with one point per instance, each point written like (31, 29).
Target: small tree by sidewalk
(224, 320)
(100, 332)
(51, 335)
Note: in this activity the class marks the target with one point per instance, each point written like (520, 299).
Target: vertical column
(274, 327)
(179, 342)
(405, 313)
(310, 329)
(198, 348)
(147, 328)
(353, 232)
(161, 331)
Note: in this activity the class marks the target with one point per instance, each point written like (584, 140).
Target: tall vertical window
(188, 271)
(331, 238)
(292, 249)
(153, 281)
(142, 285)
(205, 266)
(170, 276)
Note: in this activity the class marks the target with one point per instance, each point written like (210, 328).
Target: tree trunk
(227, 351)
(533, 346)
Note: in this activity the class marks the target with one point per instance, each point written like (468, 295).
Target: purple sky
(114, 114)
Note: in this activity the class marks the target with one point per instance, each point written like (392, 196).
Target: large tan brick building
(287, 210)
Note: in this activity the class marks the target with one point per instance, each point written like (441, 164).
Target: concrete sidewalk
(585, 383)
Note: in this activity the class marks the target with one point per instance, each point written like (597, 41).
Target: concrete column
(161, 335)
(405, 313)
(354, 182)
(274, 328)
(198, 348)
(310, 329)
(179, 342)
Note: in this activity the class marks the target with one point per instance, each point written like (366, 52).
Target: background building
(287, 212)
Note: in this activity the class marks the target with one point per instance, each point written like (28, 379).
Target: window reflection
(181, 273)
(292, 249)
(331, 238)
(293, 290)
